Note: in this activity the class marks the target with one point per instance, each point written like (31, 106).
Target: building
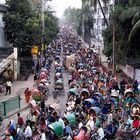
(98, 20)
(8, 57)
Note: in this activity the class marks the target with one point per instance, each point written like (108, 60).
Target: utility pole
(113, 49)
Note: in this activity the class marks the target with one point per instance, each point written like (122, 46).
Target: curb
(13, 113)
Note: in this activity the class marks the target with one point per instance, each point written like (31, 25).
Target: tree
(132, 12)
(21, 24)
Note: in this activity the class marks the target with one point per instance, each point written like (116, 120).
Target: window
(103, 22)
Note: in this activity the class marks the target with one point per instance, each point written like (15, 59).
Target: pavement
(18, 88)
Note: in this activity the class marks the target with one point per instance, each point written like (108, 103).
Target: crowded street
(69, 70)
(73, 97)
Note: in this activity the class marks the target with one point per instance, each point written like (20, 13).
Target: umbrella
(57, 127)
(71, 118)
(73, 90)
(90, 101)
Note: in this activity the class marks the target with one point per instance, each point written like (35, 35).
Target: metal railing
(9, 105)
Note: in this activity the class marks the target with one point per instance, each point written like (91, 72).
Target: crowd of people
(97, 107)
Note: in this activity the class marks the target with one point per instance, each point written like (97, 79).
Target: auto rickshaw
(59, 85)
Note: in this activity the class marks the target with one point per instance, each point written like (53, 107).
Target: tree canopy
(23, 24)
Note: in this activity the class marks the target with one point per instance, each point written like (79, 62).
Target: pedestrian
(8, 87)
(28, 132)
(20, 120)
(100, 132)
(42, 135)
(27, 93)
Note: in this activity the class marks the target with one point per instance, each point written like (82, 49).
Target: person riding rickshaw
(129, 99)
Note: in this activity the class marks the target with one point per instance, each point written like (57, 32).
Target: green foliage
(126, 20)
(23, 24)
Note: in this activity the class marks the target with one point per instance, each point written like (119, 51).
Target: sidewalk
(18, 88)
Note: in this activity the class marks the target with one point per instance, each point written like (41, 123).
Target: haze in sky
(2, 1)
(60, 5)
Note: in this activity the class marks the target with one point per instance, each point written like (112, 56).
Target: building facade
(98, 20)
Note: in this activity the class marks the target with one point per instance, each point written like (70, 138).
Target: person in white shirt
(100, 132)
(8, 87)
(43, 135)
(28, 132)
(109, 118)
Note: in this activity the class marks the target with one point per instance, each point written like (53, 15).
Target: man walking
(8, 87)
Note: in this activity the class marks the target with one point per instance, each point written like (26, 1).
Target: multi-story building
(98, 22)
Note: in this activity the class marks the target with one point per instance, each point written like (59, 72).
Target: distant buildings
(98, 21)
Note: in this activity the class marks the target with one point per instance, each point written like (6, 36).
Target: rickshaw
(42, 75)
(85, 93)
(88, 103)
(98, 98)
(58, 69)
(94, 70)
(135, 110)
(57, 129)
(129, 99)
(115, 97)
(58, 75)
(57, 58)
(72, 91)
(95, 111)
(71, 118)
(36, 95)
(56, 107)
(59, 85)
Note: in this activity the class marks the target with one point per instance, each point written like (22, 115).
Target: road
(62, 98)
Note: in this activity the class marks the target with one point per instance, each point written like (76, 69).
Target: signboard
(137, 75)
(34, 50)
(129, 70)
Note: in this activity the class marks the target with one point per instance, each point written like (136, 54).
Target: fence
(9, 105)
